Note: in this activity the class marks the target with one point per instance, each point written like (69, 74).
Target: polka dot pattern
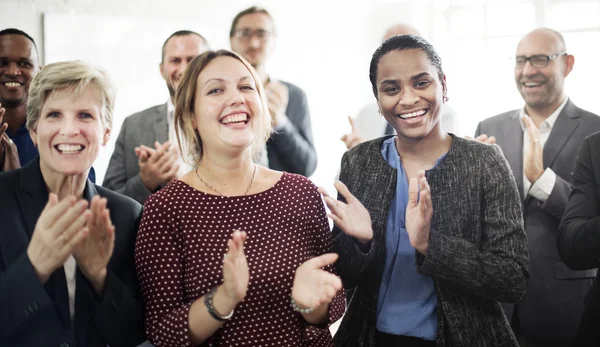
(179, 255)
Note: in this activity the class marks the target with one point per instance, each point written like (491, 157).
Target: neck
(15, 117)
(63, 185)
(540, 114)
(262, 73)
(229, 175)
(427, 150)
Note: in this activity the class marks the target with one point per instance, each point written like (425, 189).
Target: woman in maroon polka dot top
(231, 254)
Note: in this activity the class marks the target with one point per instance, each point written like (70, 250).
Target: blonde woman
(67, 274)
(271, 226)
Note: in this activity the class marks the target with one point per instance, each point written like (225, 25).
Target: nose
(69, 127)
(254, 42)
(13, 69)
(408, 98)
(528, 69)
(235, 97)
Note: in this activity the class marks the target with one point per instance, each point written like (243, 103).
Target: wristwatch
(208, 301)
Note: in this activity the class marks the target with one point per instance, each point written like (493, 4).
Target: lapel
(565, 125)
(161, 126)
(513, 148)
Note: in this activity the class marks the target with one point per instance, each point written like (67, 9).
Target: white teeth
(240, 117)
(413, 114)
(69, 148)
(532, 84)
(12, 84)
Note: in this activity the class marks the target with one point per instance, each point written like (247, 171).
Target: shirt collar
(549, 122)
(170, 109)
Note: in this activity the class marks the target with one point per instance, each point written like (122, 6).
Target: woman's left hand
(419, 211)
(93, 253)
(314, 286)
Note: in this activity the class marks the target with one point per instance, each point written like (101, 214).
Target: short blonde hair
(189, 139)
(76, 75)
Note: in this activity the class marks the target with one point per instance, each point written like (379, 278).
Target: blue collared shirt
(27, 151)
(407, 302)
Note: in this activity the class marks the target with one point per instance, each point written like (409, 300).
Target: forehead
(255, 21)
(538, 43)
(17, 46)
(226, 68)
(404, 64)
(184, 45)
(66, 98)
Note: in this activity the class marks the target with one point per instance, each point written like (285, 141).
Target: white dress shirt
(69, 267)
(542, 188)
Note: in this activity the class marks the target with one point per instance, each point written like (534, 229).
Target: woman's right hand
(351, 217)
(59, 228)
(235, 275)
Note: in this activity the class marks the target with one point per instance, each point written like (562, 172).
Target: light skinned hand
(483, 138)
(350, 216)
(534, 159)
(352, 138)
(419, 212)
(278, 97)
(158, 166)
(94, 252)
(60, 227)
(314, 286)
(236, 274)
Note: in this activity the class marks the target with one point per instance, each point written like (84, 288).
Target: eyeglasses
(538, 60)
(246, 34)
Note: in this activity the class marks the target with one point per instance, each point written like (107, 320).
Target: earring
(379, 111)
(104, 145)
(445, 99)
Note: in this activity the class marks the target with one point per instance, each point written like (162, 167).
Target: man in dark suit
(578, 238)
(138, 172)
(540, 142)
(291, 146)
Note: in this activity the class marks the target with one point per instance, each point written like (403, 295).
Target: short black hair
(400, 43)
(249, 10)
(179, 33)
(13, 31)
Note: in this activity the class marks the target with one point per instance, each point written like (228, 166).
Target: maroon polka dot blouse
(179, 256)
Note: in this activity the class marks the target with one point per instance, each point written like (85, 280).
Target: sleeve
(293, 142)
(542, 188)
(353, 258)
(497, 267)
(160, 271)
(478, 131)
(578, 238)
(119, 314)
(557, 200)
(116, 174)
(22, 297)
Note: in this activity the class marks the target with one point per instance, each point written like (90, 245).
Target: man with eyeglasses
(291, 146)
(541, 142)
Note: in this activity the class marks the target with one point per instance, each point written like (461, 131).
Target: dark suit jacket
(578, 239)
(291, 147)
(477, 252)
(553, 304)
(32, 314)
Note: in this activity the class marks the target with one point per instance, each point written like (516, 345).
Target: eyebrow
(222, 80)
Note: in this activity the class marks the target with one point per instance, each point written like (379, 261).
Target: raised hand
(534, 159)
(235, 275)
(9, 155)
(483, 138)
(419, 211)
(158, 165)
(352, 138)
(60, 227)
(94, 252)
(314, 286)
(278, 97)
(351, 217)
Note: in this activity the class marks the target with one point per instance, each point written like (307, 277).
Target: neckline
(282, 178)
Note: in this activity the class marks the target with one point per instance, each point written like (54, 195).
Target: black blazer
(32, 314)
(578, 238)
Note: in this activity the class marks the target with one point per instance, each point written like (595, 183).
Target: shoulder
(588, 116)
(9, 181)
(365, 150)
(593, 140)
(293, 90)
(471, 152)
(500, 119)
(298, 182)
(142, 116)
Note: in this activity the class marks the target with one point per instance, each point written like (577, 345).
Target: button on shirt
(542, 188)
(183, 166)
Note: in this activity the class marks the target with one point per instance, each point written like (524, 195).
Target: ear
(444, 86)
(105, 137)
(33, 135)
(569, 63)
(160, 69)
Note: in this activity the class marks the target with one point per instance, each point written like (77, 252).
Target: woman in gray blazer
(67, 275)
(428, 225)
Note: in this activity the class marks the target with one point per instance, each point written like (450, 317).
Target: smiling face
(409, 92)
(69, 132)
(227, 109)
(18, 64)
(179, 52)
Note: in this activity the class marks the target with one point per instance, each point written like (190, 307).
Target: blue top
(409, 307)
(27, 150)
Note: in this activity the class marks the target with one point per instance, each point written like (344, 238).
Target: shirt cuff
(542, 188)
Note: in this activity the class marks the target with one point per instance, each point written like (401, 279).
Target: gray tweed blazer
(477, 252)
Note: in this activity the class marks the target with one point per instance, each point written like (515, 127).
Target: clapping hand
(419, 211)
(351, 217)
(352, 138)
(314, 286)
(534, 158)
(235, 274)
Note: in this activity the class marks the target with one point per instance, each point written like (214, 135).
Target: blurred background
(323, 46)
